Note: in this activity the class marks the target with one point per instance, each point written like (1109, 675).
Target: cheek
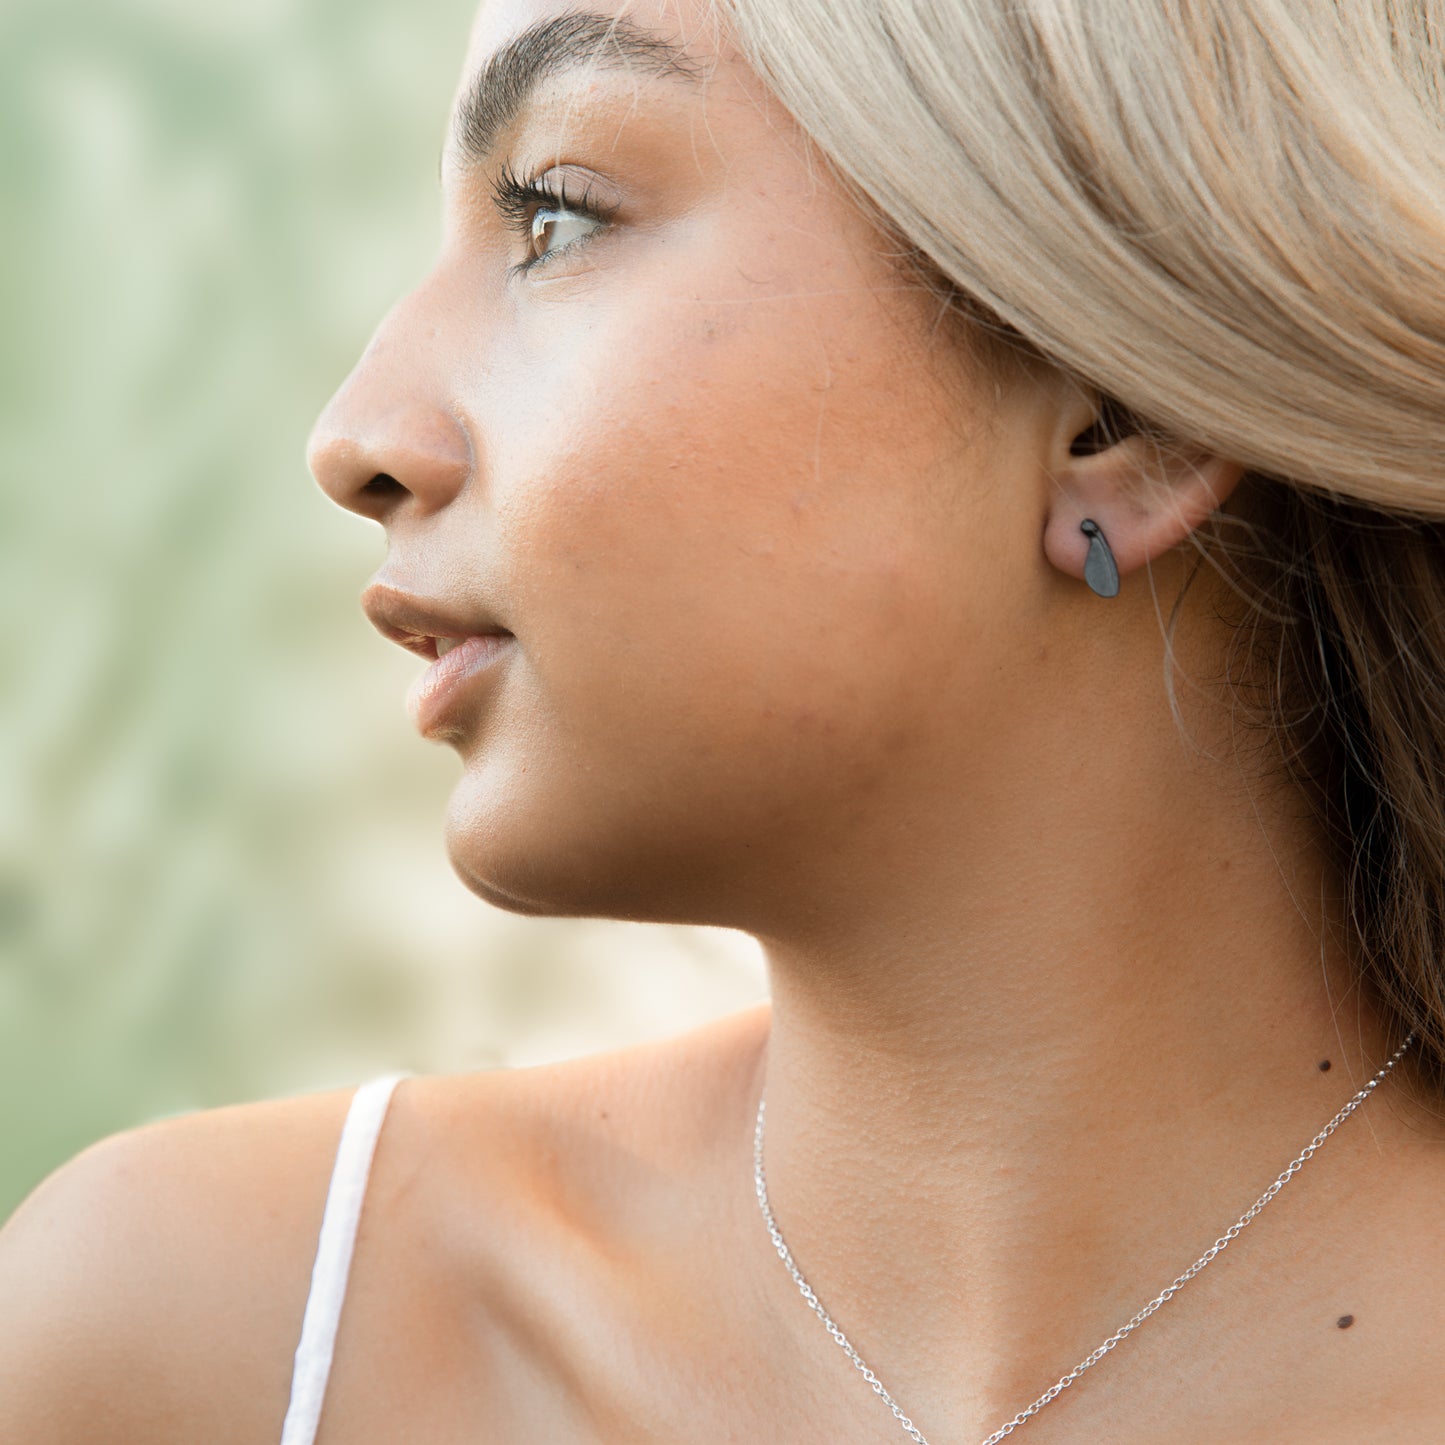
(723, 531)
(735, 540)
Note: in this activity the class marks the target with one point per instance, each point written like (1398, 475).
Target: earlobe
(1114, 510)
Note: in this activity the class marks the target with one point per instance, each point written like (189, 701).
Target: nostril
(382, 485)
(379, 498)
(380, 457)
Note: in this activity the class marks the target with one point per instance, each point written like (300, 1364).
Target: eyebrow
(502, 88)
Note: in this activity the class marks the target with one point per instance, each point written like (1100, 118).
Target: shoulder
(526, 1230)
(547, 1131)
(157, 1282)
(505, 1167)
(144, 1281)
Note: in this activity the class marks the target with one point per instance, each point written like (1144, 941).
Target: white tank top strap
(332, 1268)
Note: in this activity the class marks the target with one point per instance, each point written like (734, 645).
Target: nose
(388, 441)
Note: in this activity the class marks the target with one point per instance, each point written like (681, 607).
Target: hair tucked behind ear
(1228, 217)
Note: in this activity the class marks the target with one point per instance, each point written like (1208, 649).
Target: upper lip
(416, 622)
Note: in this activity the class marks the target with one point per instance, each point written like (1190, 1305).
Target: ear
(1146, 495)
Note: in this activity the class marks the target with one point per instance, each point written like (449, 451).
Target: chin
(526, 855)
(491, 892)
(501, 851)
(565, 852)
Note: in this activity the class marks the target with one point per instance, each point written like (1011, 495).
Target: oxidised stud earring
(1099, 570)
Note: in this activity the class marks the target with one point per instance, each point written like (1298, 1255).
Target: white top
(333, 1258)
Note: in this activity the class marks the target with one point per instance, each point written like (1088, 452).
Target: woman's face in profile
(666, 411)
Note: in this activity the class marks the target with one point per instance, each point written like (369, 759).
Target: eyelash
(518, 199)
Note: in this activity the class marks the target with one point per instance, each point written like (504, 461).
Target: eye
(555, 229)
(542, 209)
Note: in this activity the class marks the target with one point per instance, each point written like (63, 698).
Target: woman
(955, 491)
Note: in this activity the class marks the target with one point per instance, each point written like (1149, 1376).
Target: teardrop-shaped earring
(1099, 570)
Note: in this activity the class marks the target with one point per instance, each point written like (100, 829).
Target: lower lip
(436, 696)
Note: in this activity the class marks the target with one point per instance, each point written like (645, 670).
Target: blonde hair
(1228, 218)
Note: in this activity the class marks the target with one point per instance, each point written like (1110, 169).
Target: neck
(998, 1126)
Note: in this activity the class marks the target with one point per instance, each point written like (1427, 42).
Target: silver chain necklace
(1167, 1293)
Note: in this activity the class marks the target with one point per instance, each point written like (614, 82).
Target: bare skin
(798, 644)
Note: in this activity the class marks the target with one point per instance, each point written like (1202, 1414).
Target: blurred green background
(221, 865)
